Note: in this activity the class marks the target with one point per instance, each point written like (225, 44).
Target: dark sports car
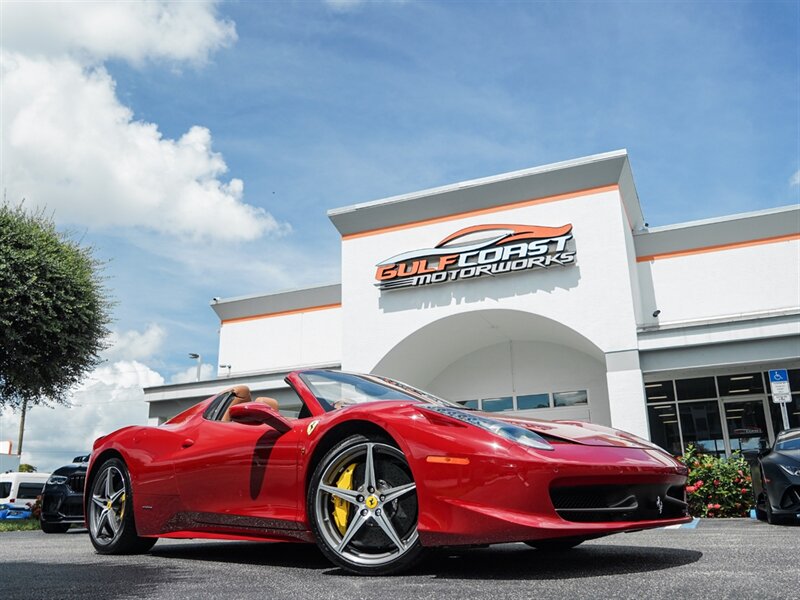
(776, 479)
(62, 497)
(374, 472)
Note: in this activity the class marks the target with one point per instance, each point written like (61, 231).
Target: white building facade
(543, 292)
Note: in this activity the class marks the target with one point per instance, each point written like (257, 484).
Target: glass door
(746, 422)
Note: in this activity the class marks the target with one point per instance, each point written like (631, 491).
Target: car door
(231, 474)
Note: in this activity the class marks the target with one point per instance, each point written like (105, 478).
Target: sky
(196, 146)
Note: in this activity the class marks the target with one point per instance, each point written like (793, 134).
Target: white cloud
(133, 345)
(190, 374)
(795, 179)
(131, 30)
(70, 145)
(110, 398)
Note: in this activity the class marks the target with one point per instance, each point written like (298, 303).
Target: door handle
(187, 442)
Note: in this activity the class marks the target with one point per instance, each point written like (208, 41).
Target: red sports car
(373, 471)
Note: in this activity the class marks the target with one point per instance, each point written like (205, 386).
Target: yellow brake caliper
(122, 507)
(341, 508)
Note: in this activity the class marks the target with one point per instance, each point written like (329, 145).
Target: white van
(21, 488)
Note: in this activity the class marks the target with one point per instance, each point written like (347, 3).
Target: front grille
(72, 508)
(604, 503)
(76, 483)
(51, 504)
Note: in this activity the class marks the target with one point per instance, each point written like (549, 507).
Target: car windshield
(790, 441)
(336, 390)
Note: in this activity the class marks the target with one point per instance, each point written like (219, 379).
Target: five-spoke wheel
(362, 505)
(109, 512)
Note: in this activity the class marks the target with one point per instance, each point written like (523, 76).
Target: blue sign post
(781, 392)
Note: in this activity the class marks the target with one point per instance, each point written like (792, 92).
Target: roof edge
(450, 187)
(552, 180)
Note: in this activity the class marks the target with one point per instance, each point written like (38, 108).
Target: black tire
(377, 534)
(772, 518)
(556, 544)
(109, 511)
(761, 514)
(53, 527)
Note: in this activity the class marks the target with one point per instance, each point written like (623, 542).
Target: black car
(62, 497)
(776, 479)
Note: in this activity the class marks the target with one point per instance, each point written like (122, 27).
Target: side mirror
(750, 454)
(255, 413)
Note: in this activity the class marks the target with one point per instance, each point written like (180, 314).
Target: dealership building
(543, 293)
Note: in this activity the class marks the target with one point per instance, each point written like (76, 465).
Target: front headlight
(57, 480)
(791, 470)
(510, 432)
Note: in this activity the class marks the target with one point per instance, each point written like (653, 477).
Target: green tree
(54, 310)
(26, 468)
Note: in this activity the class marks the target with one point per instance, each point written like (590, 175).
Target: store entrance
(746, 422)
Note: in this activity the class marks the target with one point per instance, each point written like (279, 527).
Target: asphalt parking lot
(736, 558)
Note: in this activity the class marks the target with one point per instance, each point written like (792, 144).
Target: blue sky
(316, 108)
(316, 105)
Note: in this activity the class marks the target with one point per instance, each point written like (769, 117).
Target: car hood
(577, 432)
(791, 455)
(71, 469)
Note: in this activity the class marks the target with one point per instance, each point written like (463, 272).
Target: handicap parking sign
(779, 382)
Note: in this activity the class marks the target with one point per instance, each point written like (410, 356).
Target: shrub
(717, 487)
(36, 508)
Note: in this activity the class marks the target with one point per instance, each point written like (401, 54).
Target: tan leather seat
(241, 394)
(271, 402)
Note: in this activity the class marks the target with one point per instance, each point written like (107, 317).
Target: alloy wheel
(371, 486)
(107, 508)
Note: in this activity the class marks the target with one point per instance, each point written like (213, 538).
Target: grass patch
(21, 525)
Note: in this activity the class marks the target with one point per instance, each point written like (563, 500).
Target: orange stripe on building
(282, 313)
(482, 211)
(718, 247)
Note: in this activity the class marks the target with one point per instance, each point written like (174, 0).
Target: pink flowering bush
(717, 487)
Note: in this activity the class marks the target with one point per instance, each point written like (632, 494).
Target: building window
(498, 404)
(660, 391)
(570, 398)
(793, 410)
(529, 401)
(740, 385)
(532, 401)
(718, 414)
(664, 429)
(701, 426)
(699, 388)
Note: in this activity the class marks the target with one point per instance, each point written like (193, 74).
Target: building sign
(779, 384)
(477, 251)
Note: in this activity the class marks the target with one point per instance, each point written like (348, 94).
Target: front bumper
(60, 504)
(573, 491)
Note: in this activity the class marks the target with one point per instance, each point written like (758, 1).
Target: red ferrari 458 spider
(373, 471)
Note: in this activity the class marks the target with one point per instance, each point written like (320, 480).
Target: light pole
(199, 360)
